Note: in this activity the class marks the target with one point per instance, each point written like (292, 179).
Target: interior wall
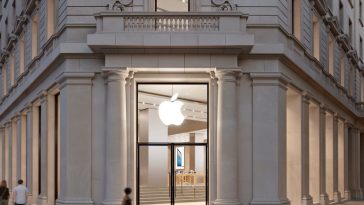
(341, 157)
(153, 159)
(314, 147)
(294, 168)
(329, 155)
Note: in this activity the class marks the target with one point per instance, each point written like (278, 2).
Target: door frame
(172, 183)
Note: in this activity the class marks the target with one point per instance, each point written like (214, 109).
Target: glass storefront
(172, 149)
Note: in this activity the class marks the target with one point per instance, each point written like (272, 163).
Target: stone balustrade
(173, 30)
(171, 23)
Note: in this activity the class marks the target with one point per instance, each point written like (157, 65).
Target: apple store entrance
(172, 144)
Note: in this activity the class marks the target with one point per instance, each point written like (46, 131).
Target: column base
(226, 202)
(73, 202)
(337, 197)
(324, 199)
(42, 200)
(279, 202)
(347, 195)
(361, 193)
(307, 200)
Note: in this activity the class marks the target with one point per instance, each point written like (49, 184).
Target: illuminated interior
(172, 158)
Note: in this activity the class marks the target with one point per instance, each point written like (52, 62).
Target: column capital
(348, 123)
(16, 117)
(323, 108)
(43, 96)
(7, 124)
(336, 117)
(306, 97)
(228, 74)
(28, 108)
(115, 74)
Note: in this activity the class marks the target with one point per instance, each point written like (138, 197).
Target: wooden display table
(190, 178)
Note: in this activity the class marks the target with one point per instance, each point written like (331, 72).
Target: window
(296, 15)
(5, 34)
(360, 10)
(342, 69)
(350, 33)
(329, 4)
(21, 54)
(52, 12)
(361, 47)
(35, 42)
(316, 36)
(11, 69)
(331, 55)
(5, 77)
(341, 14)
(172, 5)
(351, 81)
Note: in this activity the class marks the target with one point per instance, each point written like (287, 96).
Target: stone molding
(270, 79)
(72, 78)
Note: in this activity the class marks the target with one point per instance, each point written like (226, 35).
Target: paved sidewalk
(355, 203)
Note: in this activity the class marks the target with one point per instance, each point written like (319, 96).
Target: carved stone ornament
(120, 5)
(224, 5)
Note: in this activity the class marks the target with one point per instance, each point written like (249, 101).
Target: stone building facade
(273, 95)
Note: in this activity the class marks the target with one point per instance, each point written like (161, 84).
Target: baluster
(125, 23)
(183, 24)
(156, 24)
(217, 23)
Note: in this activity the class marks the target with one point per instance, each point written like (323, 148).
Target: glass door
(172, 174)
(154, 174)
(190, 174)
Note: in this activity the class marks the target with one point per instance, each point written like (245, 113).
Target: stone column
(34, 134)
(324, 198)
(305, 147)
(75, 138)
(337, 194)
(14, 151)
(23, 146)
(2, 152)
(116, 139)
(227, 148)
(358, 164)
(29, 149)
(346, 161)
(269, 138)
(18, 136)
(43, 196)
(9, 153)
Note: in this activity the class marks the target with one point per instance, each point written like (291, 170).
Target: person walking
(20, 193)
(127, 199)
(4, 193)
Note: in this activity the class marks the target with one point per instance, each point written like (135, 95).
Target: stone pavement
(355, 203)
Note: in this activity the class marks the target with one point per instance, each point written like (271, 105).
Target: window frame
(156, 3)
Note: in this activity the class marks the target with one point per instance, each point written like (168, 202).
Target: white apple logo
(170, 111)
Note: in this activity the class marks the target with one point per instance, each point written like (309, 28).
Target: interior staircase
(161, 195)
